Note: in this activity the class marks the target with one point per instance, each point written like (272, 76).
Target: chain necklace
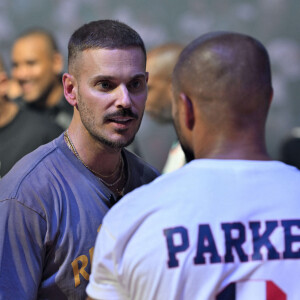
(73, 149)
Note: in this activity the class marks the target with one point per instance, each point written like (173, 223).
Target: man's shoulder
(29, 170)
(147, 193)
(137, 164)
(139, 172)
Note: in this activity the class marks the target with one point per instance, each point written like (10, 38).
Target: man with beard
(53, 201)
(37, 65)
(226, 225)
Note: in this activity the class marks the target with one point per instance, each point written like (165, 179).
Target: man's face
(33, 67)
(111, 93)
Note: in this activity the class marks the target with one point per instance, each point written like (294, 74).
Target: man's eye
(136, 85)
(31, 62)
(105, 85)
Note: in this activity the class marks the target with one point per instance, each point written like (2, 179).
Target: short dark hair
(42, 32)
(105, 34)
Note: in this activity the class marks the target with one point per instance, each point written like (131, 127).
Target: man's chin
(29, 99)
(33, 100)
(116, 144)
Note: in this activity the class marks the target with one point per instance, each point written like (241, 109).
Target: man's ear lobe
(69, 88)
(189, 115)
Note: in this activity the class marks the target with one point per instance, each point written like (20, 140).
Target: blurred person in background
(37, 66)
(157, 135)
(21, 130)
(14, 90)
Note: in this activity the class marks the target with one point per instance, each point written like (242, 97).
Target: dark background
(274, 22)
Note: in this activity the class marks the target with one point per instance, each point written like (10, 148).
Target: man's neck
(243, 146)
(94, 155)
(50, 98)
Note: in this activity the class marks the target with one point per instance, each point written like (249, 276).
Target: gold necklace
(117, 180)
(73, 149)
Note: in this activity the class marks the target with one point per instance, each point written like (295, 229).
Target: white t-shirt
(214, 229)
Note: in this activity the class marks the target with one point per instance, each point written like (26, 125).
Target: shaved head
(228, 74)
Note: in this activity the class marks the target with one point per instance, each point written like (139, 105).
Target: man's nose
(123, 97)
(20, 72)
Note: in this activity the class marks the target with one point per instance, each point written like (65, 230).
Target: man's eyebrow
(103, 77)
(113, 78)
(139, 75)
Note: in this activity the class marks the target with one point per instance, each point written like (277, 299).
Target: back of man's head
(230, 77)
(160, 64)
(102, 34)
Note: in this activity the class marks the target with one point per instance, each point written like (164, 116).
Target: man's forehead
(33, 40)
(32, 45)
(110, 55)
(111, 62)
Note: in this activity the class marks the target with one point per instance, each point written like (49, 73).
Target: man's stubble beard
(188, 152)
(90, 126)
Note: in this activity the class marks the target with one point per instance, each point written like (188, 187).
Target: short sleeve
(105, 280)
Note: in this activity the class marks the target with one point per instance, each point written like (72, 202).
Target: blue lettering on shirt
(205, 236)
(174, 249)
(235, 238)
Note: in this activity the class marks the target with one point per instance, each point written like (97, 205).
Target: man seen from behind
(226, 225)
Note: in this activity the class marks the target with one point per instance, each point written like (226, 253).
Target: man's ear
(147, 76)
(188, 111)
(69, 83)
(169, 91)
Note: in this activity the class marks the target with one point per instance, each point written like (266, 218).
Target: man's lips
(123, 117)
(121, 120)
(26, 86)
